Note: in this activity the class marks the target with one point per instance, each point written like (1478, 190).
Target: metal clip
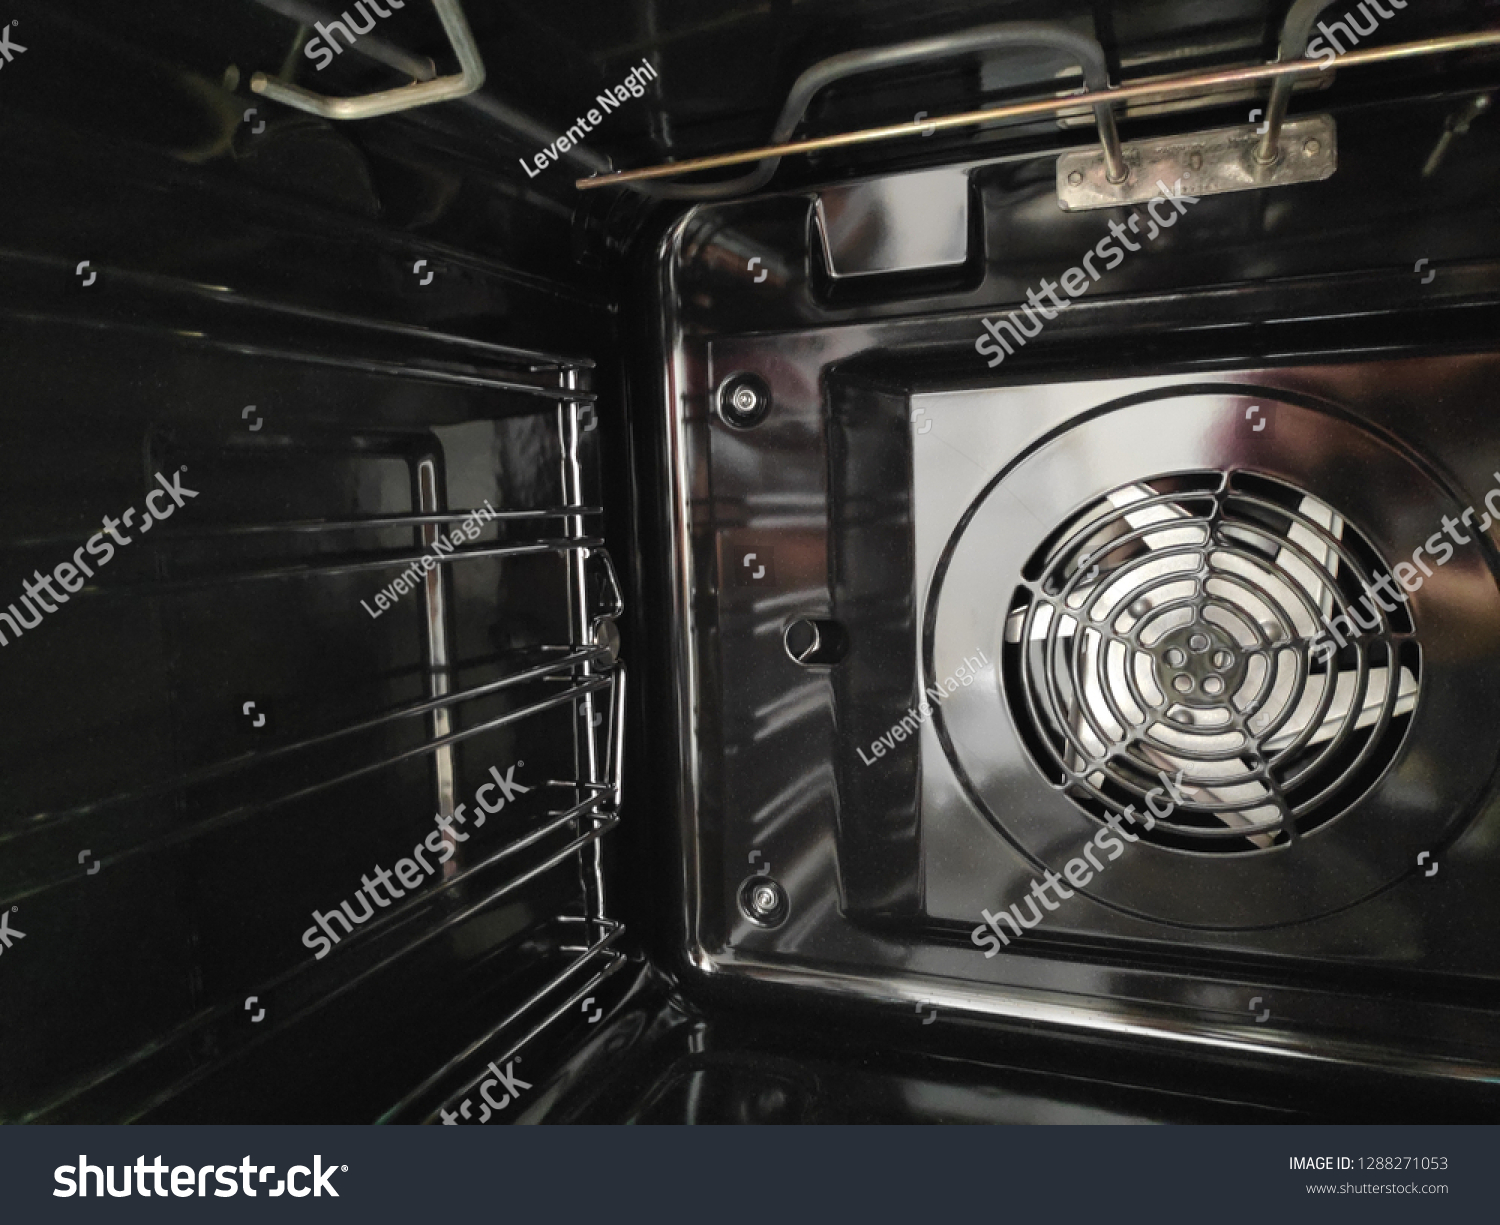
(389, 101)
(611, 597)
(1275, 153)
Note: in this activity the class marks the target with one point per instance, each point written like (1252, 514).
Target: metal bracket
(1207, 163)
(897, 223)
(1295, 32)
(389, 101)
(614, 602)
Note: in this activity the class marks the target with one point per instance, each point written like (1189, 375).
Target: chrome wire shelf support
(428, 480)
(571, 428)
(387, 102)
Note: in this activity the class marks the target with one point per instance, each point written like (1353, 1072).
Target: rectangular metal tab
(898, 223)
(1208, 163)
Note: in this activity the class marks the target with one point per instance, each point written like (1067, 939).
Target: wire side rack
(552, 834)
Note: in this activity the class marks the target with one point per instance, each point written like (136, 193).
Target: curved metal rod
(1086, 51)
(389, 101)
(1164, 87)
(1295, 31)
(516, 122)
(371, 46)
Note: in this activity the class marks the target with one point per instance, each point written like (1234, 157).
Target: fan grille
(1177, 631)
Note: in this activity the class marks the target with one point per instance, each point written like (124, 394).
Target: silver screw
(763, 901)
(1311, 147)
(1076, 178)
(744, 400)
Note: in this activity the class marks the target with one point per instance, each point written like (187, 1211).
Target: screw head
(763, 901)
(1076, 178)
(1311, 148)
(744, 400)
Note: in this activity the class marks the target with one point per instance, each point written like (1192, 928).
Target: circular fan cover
(1154, 584)
(1174, 636)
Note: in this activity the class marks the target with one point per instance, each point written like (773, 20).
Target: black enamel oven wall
(1282, 345)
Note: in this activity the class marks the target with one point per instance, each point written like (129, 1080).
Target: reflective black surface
(889, 431)
(347, 334)
(258, 322)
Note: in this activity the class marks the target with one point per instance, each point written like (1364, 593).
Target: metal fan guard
(1172, 642)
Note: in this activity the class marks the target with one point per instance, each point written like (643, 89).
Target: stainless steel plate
(1206, 164)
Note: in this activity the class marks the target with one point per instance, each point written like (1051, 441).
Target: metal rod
(429, 489)
(612, 933)
(446, 924)
(372, 46)
(605, 824)
(1295, 31)
(383, 562)
(233, 816)
(366, 523)
(219, 1012)
(419, 68)
(617, 960)
(220, 769)
(389, 101)
(981, 40)
(586, 751)
(1115, 169)
(1457, 125)
(616, 760)
(425, 371)
(399, 912)
(1171, 86)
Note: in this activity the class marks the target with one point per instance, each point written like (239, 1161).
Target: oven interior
(630, 650)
